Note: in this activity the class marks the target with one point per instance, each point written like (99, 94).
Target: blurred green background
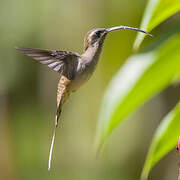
(28, 95)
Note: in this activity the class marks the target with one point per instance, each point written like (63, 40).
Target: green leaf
(156, 12)
(142, 76)
(164, 140)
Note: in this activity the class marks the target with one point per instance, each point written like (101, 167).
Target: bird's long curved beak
(127, 27)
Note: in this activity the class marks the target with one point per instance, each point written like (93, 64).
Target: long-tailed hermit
(74, 69)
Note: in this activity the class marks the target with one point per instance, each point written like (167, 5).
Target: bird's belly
(80, 79)
(83, 74)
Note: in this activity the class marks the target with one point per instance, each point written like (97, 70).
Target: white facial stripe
(91, 34)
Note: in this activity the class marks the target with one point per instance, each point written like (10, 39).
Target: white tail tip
(51, 150)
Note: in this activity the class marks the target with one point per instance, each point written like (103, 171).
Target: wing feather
(56, 60)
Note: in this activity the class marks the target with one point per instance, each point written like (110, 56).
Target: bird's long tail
(54, 135)
(62, 95)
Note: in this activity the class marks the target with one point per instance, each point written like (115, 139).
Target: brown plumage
(74, 69)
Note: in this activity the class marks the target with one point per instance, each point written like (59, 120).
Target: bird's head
(95, 37)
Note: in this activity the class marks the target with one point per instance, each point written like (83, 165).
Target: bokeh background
(28, 95)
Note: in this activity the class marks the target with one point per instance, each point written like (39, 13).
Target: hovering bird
(74, 69)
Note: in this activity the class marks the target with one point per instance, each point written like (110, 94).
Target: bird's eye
(98, 34)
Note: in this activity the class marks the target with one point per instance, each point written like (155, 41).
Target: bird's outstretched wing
(56, 60)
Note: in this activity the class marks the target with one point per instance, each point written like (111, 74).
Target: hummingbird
(74, 69)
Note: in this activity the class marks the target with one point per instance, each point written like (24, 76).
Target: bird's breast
(83, 73)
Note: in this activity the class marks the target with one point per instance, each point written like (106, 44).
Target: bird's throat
(91, 55)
